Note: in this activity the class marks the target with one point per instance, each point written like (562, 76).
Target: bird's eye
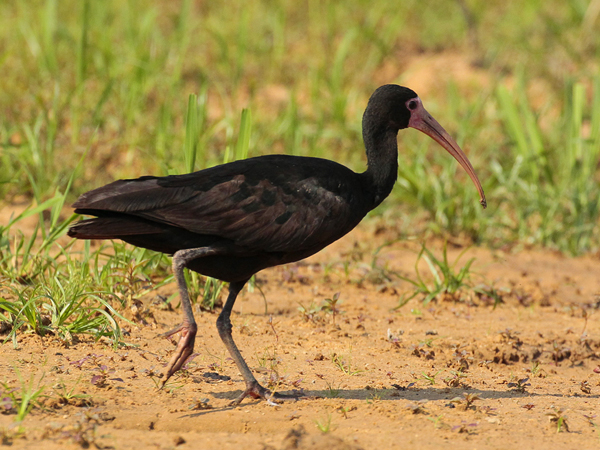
(412, 105)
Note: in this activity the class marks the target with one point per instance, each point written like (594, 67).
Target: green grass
(344, 363)
(448, 280)
(324, 425)
(96, 91)
(21, 401)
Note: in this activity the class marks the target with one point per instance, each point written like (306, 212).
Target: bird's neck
(382, 160)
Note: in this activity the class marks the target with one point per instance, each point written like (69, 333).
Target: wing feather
(268, 206)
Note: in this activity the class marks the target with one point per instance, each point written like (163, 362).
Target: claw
(255, 390)
(170, 333)
(184, 350)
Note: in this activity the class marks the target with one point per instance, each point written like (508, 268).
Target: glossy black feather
(273, 203)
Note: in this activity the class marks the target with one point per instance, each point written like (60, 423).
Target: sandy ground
(450, 374)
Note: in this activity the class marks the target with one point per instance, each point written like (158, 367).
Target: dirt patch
(461, 373)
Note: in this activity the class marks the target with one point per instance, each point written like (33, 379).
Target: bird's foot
(255, 390)
(184, 349)
(170, 333)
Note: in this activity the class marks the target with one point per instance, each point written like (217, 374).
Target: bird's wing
(293, 212)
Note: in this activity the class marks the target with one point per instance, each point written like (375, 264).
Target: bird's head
(398, 107)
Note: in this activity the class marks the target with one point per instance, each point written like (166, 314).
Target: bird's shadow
(412, 394)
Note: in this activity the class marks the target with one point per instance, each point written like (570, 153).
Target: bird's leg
(188, 328)
(253, 388)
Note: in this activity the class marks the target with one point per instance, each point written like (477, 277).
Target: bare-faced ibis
(233, 220)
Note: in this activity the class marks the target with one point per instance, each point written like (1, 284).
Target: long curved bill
(421, 120)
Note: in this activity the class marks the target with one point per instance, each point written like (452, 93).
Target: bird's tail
(112, 227)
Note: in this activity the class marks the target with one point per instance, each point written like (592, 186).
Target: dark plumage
(233, 220)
